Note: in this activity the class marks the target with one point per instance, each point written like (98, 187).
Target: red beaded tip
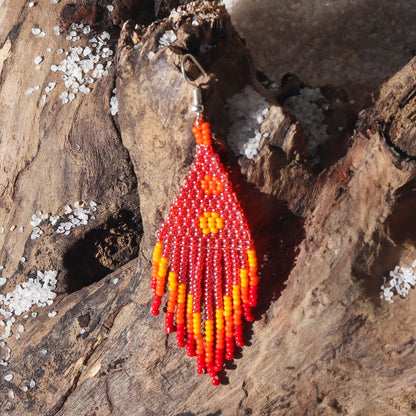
(215, 381)
(205, 260)
(190, 346)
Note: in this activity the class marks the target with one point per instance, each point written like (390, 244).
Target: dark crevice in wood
(384, 130)
(102, 250)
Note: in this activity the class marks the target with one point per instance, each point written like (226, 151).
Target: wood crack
(76, 378)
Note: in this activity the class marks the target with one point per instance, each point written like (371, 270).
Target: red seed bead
(169, 322)
(156, 305)
(247, 312)
(200, 361)
(180, 335)
(215, 381)
(190, 345)
(212, 372)
(229, 348)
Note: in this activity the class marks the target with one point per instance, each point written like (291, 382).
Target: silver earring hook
(197, 106)
(198, 65)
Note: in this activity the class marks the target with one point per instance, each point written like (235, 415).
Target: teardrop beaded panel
(206, 258)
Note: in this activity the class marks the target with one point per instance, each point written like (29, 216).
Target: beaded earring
(205, 250)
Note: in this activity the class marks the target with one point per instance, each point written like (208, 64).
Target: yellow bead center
(210, 223)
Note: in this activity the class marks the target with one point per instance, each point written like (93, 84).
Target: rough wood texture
(323, 343)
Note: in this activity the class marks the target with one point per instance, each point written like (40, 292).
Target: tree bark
(323, 343)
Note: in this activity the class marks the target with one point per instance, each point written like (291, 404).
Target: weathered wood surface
(323, 342)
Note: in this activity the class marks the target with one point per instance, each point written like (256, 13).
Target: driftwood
(323, 342)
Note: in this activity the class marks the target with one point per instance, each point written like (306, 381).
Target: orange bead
(254, 280)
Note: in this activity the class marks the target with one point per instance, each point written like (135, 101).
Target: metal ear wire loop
(197, 106)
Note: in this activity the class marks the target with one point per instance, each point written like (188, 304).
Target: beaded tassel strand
(205, 257)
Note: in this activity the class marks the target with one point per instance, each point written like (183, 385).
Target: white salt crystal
(85, 90)
(35, 221)
(150, 55)
(113, 105)
(54, 219)
(110, 7)
(21, 229)
(32, 384)
(12, 228)
(36, 31)
(22, 259)
(86, 30)
(36, 233)
(1, 267)
(10, 393)
(34, 314)
(21, 328)
(17, 336)
(87, 51)
(8, 377)
(41, 34)
(105, 35)
(54, 68)
(64, 97)
(402, 279)
(44, 352)
(31, 4)
(29, 293)
(25, 389)
(48, 49)
(114, 281)
(245, 110)
(311, 116)
(82, 331)
(3, 281)
(52, 314)
(38, 60)
(1, 230)
(167, 38)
